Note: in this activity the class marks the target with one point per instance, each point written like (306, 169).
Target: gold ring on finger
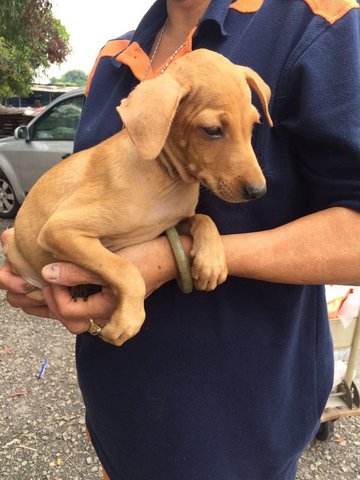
(94, 329)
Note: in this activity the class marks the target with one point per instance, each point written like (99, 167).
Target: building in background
(39, 93)
(16, 111)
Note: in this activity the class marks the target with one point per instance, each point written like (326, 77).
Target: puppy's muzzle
(252, 192)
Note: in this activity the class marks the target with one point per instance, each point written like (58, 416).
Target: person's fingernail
(51, 272)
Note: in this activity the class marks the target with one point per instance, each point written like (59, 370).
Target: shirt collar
(216, 12)
(135, 55)
(157, 14)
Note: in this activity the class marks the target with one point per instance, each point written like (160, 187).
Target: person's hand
(153, 259)
(17, 288)
(75, 315)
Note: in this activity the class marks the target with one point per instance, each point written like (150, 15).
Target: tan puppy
(189, 126)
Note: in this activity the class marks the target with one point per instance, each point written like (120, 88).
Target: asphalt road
(42, 420)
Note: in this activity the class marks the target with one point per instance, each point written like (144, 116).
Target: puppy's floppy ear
(261, 88)
(148, 112)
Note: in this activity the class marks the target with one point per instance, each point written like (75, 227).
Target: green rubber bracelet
(184, 279)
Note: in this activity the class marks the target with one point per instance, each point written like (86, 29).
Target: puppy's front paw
(208, 269)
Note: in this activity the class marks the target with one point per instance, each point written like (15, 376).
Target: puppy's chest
(153, 215)
(169, 211)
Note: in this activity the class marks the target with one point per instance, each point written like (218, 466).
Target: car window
(60, 122)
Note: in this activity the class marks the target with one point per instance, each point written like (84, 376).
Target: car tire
(8, 202)
(326, 431)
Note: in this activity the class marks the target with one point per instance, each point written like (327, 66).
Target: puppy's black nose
(251, 192)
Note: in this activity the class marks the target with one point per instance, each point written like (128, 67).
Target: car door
(50, 140)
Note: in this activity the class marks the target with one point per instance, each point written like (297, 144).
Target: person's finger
(75, 325)
(80, 326)
(64, 273)
(38, 311)
(14, 283)
(62, 305)
(19, 300)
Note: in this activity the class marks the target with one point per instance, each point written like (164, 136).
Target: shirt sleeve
(323, 115)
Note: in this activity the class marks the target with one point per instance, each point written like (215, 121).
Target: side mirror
(22, 133)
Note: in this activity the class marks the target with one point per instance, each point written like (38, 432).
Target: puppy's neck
(174, 166)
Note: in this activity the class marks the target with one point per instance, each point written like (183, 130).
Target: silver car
(36, 147)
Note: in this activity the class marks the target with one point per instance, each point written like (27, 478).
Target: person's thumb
(69, 274)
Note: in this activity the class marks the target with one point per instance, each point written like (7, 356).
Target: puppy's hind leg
(20, 266)
(70, 244)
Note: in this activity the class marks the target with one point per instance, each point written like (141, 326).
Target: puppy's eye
(213, 132)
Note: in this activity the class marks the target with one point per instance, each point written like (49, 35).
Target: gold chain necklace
(169, 60)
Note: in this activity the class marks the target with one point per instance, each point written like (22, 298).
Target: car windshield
(60, 122)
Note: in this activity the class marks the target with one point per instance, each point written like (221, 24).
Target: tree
(30, 37)
(72, 77)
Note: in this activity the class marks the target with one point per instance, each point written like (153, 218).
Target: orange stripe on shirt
(247, 6)
(332, 10)
(135, 58)
(109, 50)
(138, 61)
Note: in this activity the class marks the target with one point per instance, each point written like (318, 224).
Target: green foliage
(30, 37)
(16, 73)
(72, 77)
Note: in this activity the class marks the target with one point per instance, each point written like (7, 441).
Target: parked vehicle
(36, 147)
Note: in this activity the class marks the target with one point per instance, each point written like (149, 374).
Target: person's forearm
(323, 248)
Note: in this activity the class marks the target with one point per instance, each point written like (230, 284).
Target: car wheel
(8, 202)
(326, 431)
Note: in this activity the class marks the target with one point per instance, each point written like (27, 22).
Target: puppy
(190, 126)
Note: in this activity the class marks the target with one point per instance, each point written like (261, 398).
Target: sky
(91, 24)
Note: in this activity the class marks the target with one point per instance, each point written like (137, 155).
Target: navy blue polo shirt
(230, 385)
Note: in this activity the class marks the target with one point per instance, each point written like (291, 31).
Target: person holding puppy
(228, 384)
